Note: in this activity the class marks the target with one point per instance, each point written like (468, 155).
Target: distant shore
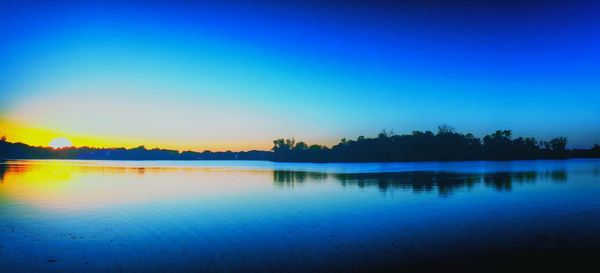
(445, 145)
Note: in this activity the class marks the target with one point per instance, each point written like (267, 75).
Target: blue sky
(237, 75)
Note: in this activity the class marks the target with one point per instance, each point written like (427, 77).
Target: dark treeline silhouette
(10, 150)
(445, 145)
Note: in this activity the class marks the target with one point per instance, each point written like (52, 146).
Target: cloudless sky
(236, 75)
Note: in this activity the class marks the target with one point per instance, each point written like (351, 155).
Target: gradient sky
(221, 76)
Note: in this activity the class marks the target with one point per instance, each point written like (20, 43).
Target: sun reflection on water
(75, 185)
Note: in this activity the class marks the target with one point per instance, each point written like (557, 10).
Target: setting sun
(60, 142)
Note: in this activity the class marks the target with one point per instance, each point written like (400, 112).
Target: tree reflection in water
(422, 181)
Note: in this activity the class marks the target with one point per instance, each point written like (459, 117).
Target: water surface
(98, 216)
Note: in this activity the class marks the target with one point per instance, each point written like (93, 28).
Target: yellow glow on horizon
(36, 136)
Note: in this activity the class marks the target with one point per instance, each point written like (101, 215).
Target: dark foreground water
(116, 216)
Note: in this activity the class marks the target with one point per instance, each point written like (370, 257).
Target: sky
(236, 75)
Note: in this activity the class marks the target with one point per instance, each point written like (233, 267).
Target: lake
(214, 216)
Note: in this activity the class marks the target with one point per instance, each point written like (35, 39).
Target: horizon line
(387, 133)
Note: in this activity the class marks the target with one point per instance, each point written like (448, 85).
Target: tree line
(445, 145)
(10, 150)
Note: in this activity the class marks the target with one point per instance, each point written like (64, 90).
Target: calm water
(98, 216)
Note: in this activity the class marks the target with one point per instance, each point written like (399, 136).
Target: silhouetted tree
(445, 129)
(497, 145)
(558, 147)
(447, 144)
(300, 146)
(558, 144)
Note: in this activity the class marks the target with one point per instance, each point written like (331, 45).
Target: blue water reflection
(99, 216)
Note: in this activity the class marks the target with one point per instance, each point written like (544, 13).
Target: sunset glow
(193, 77)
